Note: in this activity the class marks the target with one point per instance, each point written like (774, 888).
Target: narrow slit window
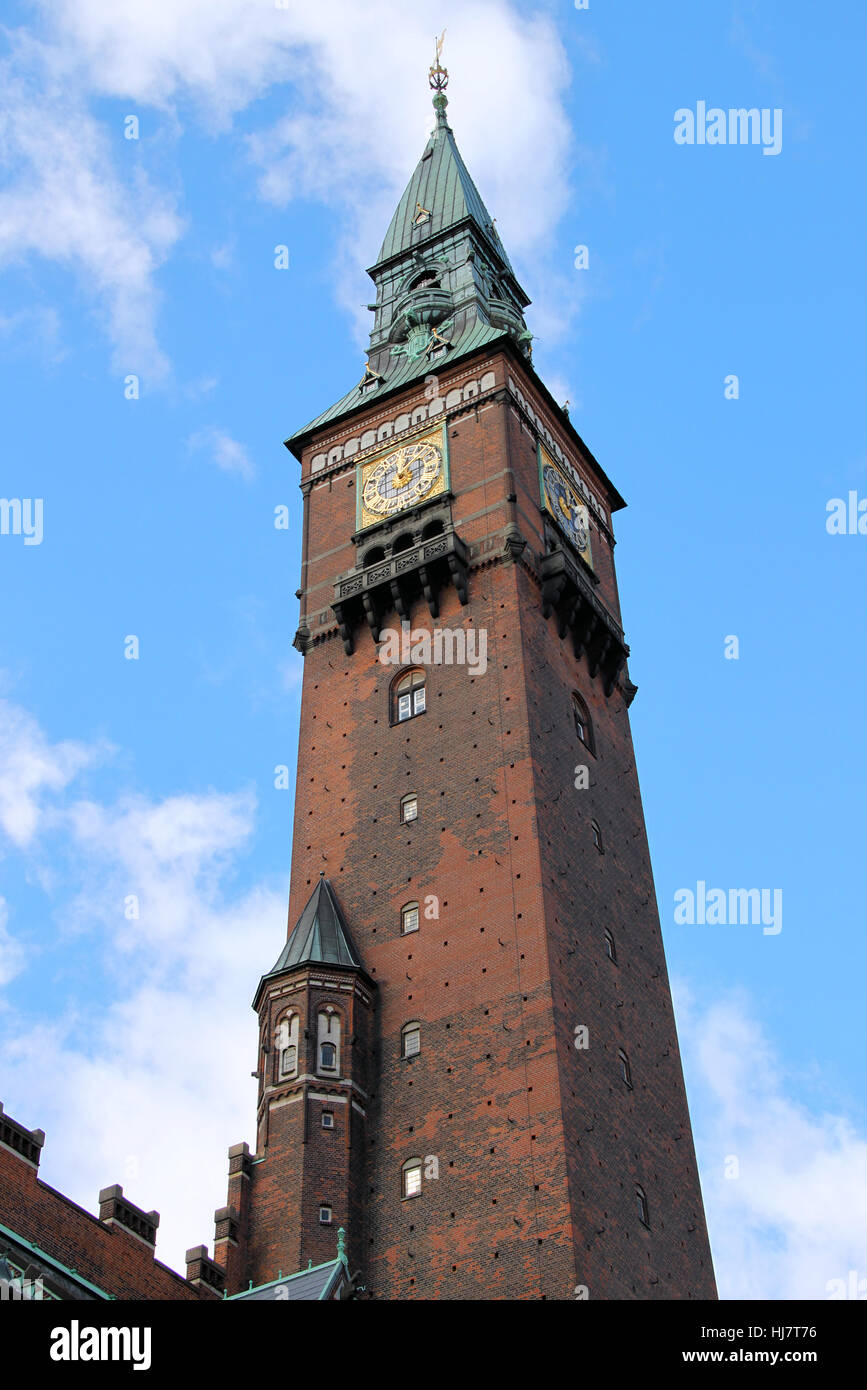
(641, 1199)
(625, 1069)
(583, 722)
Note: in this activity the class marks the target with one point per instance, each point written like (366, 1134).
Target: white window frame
(411, 1173)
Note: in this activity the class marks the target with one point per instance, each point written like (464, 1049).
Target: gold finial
(438, 76)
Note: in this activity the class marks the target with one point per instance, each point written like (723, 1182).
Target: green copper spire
(444, 284)
(441, 192)
(320, 937)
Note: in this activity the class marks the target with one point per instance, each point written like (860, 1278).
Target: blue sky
(131, 1041)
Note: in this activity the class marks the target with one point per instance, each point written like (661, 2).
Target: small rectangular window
(410, 809)
(418, 697)
(412, 1182)
(412, 1042)
(410, 919)
(327, 1119)
(404, 707)
(325, 1216)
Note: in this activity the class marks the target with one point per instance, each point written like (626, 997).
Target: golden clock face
(402, 478)
(566, 506)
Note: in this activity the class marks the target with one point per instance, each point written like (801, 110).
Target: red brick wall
(538, 1149)
(109, 1256)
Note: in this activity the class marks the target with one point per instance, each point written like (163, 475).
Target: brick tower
(468, 1056)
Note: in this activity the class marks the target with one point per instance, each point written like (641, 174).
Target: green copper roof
(442, 187)
(320, 937)
(73, 1274)
(444, 285)
(313, 1284)
(476, 334)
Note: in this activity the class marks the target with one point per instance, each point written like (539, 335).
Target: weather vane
(438, 75)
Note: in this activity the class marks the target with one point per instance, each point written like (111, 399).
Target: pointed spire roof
(441, 267)
(321, 935)
(439, 195)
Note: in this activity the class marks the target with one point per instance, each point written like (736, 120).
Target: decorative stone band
(353, 448)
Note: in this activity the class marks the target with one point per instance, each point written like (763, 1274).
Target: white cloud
(358, 115)
(65, 201)
(156, 1082)
(30, 768)
(225, 451)
(353, 142)
(796, 1216)
(157, 1085)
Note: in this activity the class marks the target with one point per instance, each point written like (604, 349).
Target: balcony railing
(368, 594)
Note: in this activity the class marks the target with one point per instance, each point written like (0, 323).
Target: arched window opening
(583, 722)
(408, 918)
(410, 1035)
(286, 1043)
(328, 1043)
(408, 697)
(411, 1178)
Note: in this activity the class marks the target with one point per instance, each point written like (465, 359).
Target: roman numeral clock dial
(401, 479)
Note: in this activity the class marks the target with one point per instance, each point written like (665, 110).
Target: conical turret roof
(320, 935)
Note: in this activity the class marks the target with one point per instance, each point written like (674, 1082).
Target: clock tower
(467, 1050)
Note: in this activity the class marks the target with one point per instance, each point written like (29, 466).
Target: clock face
(563, 503)
(403, 478)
